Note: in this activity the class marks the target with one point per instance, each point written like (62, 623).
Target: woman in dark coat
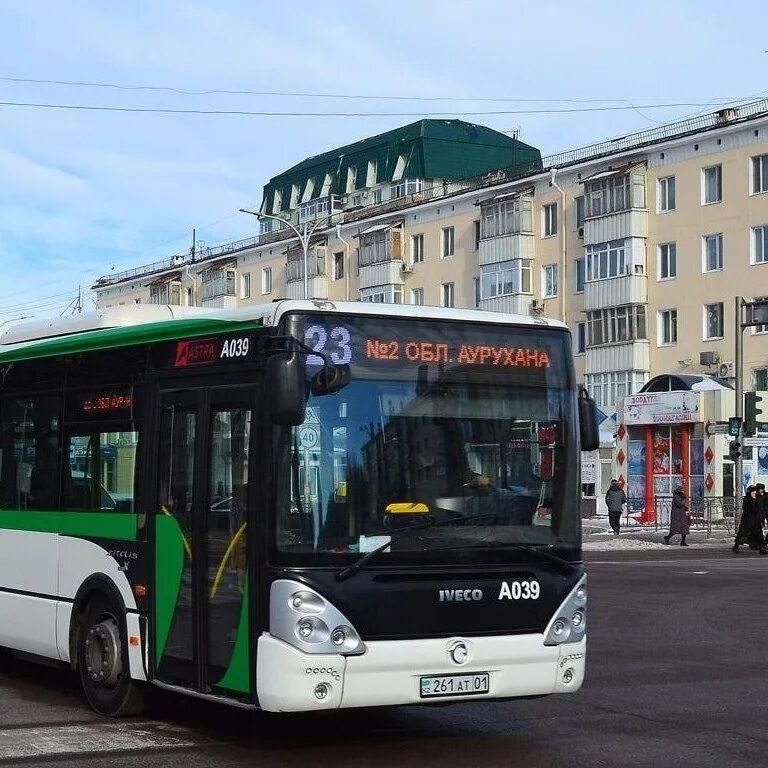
(678, 518)
(750, 525)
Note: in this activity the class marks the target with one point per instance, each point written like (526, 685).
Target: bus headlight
(569, 623)
(306, 620)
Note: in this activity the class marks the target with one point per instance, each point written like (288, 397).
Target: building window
(477, 234)
(713, 253)
(505, 278)
(611, 195)
(607, 388)
(448, 297)
(549, 280)
(549, 220)
(616, 325)
(375, 248)
(417, 249)
(581, 338)
(712, 184)
(667, 261)
(405, 187)
(165, 293)
(580, 206)
(667, 326)
(760, 378)
(713, 321)
(760, 244)
(667, 194)
(338, 265)
(759, 174)
(476, 291)
(606, 260)
(507, 217)
(417, 296)
(266, 280)
(245, 286)
(447, 237)
(580, 275)
(218, 282)
(378, 195)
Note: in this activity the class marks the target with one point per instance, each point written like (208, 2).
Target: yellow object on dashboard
(407, 508)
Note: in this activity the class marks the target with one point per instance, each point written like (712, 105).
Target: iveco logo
(458, 652)
(459, 595)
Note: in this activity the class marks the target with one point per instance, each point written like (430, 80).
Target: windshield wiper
(359, 564)
(536, 548)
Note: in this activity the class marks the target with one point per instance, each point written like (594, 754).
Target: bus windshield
(465, 432)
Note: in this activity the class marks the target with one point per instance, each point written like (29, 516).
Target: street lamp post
(304, 238)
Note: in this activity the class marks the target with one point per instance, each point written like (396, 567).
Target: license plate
(454, 685)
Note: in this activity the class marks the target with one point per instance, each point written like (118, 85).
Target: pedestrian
(615, 499)
(679, 520)
(750, 526)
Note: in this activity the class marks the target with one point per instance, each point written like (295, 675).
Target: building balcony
(627, 356)
(519, 245)
(319, 208)
(615, 292)
(632, 222)
(382, 273)
(515, 304)
(317, 288)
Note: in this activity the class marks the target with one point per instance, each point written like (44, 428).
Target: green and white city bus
(296, 506)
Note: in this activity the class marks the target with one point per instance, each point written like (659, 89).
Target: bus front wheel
(102, 660)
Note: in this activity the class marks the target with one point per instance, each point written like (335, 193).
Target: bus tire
(102, 661)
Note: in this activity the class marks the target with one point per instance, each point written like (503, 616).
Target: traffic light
(751, 412)
(734, 450)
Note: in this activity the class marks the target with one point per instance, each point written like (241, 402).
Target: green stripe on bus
(125, 336)
(85, 524)
(169, 564)
(238, 674)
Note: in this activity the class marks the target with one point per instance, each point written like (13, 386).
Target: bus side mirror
(588, 426)
(285, 383)
(330, 379)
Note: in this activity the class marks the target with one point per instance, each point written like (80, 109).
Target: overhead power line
(306, 94)
(270, 113)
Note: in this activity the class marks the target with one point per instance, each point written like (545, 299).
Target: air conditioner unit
(537, 305)
(710, 357)
(726, 370)
(406, 268)
(581, 231)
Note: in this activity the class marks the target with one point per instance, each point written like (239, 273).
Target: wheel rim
(103, 653)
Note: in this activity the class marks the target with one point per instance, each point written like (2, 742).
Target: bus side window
(29, 452)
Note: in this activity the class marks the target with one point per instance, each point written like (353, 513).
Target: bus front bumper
(390, 672)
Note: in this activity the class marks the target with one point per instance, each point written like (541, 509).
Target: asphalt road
(675, 677)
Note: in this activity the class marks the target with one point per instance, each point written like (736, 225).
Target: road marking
(697, 573)
(42, 741)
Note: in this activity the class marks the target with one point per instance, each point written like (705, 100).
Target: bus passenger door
(201, 606)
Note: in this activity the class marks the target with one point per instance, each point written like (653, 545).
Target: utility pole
(739, 360)
(192, 251)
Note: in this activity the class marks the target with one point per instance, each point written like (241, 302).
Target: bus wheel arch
(98, 643)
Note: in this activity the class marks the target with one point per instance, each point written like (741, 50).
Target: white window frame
(266, 280)
(718, 171)
(581, 338)
(417, 297)
(716, 237)
(549, 219)
(721, 311)
(606, 260)
(760, 329)
(447, 242)
(338, 274)
(759, 174)
(759, 245)
(667, 261)
(666, 322)
(417, 248)
(665, 185)
(580, 271)
(760, 378)
(447, 294)
(549, 281)
(245, 285)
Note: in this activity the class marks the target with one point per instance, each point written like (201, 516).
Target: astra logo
(459, 595)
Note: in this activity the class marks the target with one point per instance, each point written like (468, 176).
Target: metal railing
(706, 514)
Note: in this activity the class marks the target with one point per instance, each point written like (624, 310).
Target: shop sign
(661, 408)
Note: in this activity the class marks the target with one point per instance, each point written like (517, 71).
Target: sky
(87, 192)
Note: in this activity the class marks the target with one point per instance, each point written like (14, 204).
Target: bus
(306, 505)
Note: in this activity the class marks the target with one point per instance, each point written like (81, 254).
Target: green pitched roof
(434, 149)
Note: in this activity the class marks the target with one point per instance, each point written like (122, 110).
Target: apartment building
(639, 244)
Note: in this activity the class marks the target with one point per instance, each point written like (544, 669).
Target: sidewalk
(598, 536)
